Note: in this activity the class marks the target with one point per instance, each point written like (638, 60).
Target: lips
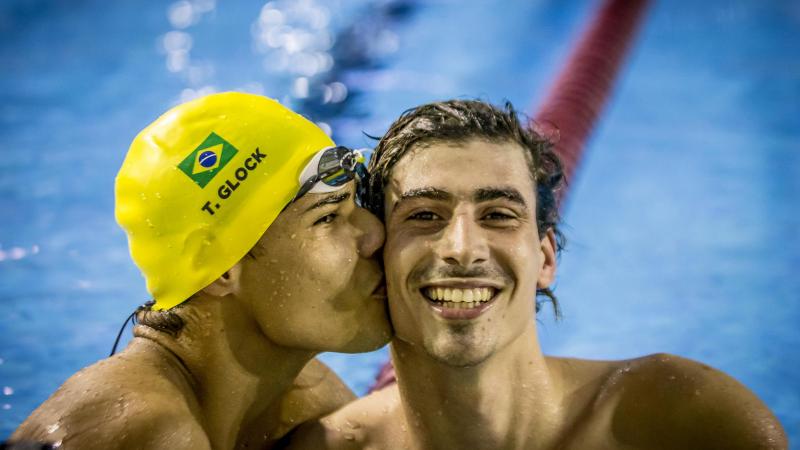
(461, 302)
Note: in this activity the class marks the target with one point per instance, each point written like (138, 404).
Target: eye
(327, 218)
(423, 216)
(498, 216)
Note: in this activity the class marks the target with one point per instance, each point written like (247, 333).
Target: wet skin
(472, 374)
(318, 265)
(240, 374)
(460, 230)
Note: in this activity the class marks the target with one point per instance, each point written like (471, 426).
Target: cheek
(303, 268)
(406, 261)
(403, 254)
(325, 266)
(522, 259)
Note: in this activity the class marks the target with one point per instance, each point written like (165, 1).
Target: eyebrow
(494, 193)
(329, 200)
(428, 192)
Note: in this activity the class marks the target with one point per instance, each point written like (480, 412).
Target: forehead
(461, 168)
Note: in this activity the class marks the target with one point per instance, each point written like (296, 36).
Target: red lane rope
(578, 95)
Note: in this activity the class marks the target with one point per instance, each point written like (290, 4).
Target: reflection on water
(683, 221)
(315, 58)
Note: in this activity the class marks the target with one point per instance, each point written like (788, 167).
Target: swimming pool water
(683, 221)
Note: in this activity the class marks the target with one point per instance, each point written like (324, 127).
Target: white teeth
(460, 305)
(459, 296)
(468, 295)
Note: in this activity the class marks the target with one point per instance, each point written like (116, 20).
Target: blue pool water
(683, 220)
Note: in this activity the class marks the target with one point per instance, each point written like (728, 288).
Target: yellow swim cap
(201, 184)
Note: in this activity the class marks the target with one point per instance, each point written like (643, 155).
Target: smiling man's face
(463, 257)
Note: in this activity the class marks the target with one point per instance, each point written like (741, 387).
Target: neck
(234, 372)
(507, 401)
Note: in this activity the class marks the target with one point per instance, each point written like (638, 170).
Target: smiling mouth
(459, 298)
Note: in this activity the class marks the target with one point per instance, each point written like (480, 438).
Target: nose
(372, 232)
(463, 242)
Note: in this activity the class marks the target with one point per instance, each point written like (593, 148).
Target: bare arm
(358, 425)
(316, 392)
(101, 408)
(672, 402)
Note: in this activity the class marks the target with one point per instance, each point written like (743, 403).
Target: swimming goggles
(335, 166)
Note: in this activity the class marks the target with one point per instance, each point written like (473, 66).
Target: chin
(460, 350)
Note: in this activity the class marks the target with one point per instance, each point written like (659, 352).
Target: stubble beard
(461, 345)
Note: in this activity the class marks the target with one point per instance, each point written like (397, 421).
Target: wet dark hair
(459, 121)
(168, 321)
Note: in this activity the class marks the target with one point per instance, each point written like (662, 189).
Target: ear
(548, 272)
(226, 284)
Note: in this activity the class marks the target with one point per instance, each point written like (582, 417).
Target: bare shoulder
(315, 392)
(665, 401)
(360, 424)
(110, 406)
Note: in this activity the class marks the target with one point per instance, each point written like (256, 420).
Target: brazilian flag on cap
(205, 162)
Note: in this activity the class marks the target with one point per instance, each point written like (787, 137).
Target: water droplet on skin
(53, 428)
(293, 236)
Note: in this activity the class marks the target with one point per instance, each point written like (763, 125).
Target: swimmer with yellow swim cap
(244, 220)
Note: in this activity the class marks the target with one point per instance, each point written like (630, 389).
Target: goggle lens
(337, 166)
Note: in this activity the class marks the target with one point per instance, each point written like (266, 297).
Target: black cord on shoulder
(131, 318)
